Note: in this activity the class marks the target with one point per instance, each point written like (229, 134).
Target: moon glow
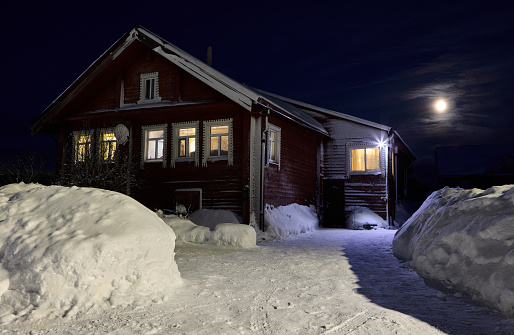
(440, 106)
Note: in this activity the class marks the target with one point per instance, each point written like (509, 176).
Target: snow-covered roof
(325, 111)
(235, 91)
(308, 108)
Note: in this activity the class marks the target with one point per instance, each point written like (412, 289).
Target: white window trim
(91, 143)
(278, 130)
(143, 77)
(99, 133)
(364, 145)
(207, 141)
(144, 143)
(175, 142)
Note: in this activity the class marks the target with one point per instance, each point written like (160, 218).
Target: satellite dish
(121, 133)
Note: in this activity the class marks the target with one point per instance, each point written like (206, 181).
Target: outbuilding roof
(308, 108)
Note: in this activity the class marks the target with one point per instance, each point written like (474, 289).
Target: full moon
(440, 106)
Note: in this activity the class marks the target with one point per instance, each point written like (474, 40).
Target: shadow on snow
(385, 282)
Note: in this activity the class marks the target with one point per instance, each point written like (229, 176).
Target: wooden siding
(342, 132)
(296, 181)
(222, 184)
(367, 191)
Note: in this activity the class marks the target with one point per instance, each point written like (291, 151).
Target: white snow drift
(465, 240)
(291, 220)
(65, 251)
(224, 230)
(364, 218)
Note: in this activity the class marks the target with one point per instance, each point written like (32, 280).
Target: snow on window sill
(149, 101)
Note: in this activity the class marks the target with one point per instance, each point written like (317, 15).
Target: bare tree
(27, 168)
(88, 169)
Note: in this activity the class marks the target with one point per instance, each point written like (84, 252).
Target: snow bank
(65, 251)
(212, 217)
(464, 239)
(291, 220)
(364, 218)
(229, 234)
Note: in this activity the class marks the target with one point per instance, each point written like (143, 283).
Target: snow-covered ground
(329, 281)
(463, 240)
(323, 281)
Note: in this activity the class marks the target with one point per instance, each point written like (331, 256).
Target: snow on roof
(470, 159)
(237, 92)
(308, 108)
(340, 115)
(295, 112)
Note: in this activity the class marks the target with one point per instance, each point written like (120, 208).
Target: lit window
(219, 141)
(82, 146)
(149, 88)
(365, 160)
(187, 142)
(274, 135)
(108, 146)
(154, 148)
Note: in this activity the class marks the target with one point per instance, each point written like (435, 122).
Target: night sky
(383, 63)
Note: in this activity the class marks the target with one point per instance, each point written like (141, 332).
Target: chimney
(209, 55)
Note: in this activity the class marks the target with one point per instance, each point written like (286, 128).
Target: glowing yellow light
(440, 106)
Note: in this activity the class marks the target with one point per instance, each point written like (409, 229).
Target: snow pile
(229, 234)
(67, 251)
(291, 220)
(212, 217)
(464, 240)
(364, 218)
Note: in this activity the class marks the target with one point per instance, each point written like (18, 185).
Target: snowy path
(325, 282)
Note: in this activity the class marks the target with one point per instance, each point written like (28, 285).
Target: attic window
(149, 88)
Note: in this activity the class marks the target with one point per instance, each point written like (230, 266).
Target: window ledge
(153, 161)
(149, 101)
(217, 158)
(188, 159)
(365, 172)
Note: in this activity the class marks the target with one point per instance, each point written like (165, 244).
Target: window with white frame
(185, 142)
(154, 143)
(274, 135)
(218, 141)
(365, 160)
(149, 88)
(107, 145)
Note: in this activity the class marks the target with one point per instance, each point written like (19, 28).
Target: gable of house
(195, 132)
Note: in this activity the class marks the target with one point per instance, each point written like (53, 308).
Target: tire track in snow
(350, 324)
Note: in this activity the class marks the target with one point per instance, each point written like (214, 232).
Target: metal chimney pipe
(209, 55)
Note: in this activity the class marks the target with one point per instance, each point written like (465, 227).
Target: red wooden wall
(296, 181)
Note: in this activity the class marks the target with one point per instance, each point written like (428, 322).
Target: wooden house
(364, 164)
(203, 140)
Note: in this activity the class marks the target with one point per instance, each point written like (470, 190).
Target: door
(333, 203)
